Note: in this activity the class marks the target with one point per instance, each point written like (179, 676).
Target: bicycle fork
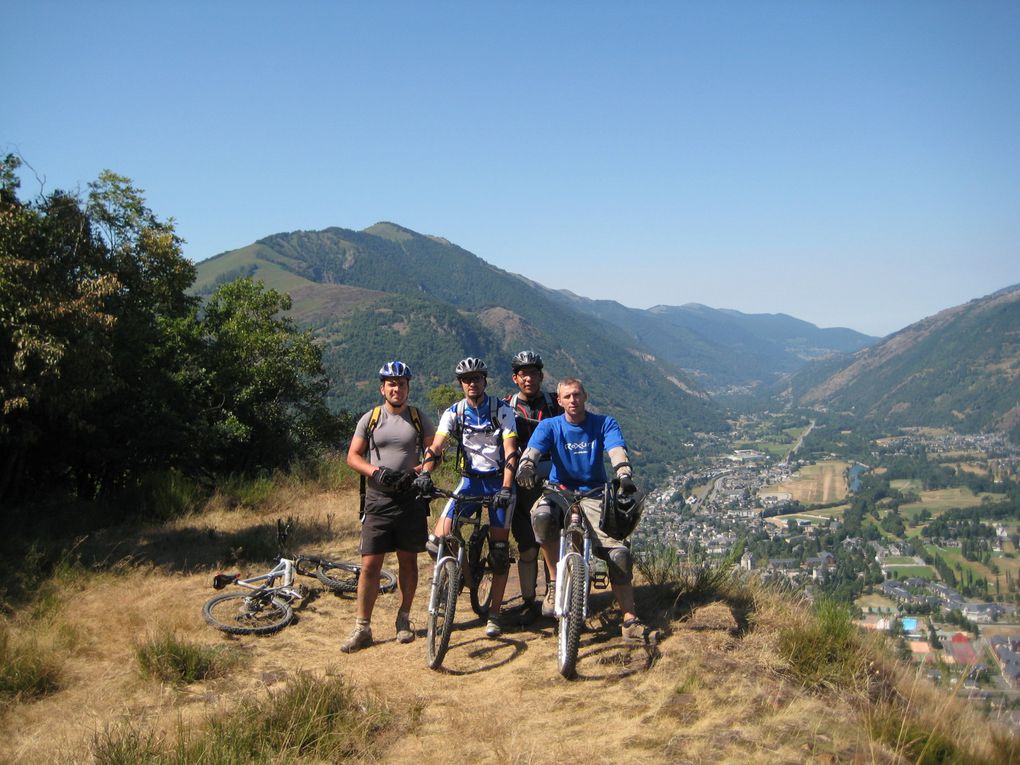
(441, 557)
(568, 550)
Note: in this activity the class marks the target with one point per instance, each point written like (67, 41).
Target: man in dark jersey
(531, 405)
(386, 450)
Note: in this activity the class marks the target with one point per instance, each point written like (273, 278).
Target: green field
(940, 500)
(901, 560)
(921, 572)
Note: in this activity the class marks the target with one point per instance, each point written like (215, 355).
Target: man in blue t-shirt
(575, 441)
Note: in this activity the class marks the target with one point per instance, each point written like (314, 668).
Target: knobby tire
(440, 623)
(480, 582)
(343, 577)
(573, 617)
(242, 613)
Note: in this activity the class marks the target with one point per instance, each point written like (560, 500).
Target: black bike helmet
(526, 359)
(393, 369)
(620, 513)
(470, 366)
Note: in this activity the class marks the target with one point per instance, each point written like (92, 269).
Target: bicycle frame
(283, 570)
(576, 541)
(445, 554)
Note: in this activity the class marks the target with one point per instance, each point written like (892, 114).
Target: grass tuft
(26, 670)
(172, 660)
(826, 651)
(311, 719)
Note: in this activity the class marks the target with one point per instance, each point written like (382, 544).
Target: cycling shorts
(476, 486)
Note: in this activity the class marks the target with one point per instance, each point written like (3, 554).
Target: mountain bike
(456, 561)
(575, 575)
(266, 605)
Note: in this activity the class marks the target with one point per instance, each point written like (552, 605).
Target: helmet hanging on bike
(394, 369)
(470, 366)
(620, 512)
(526, 359)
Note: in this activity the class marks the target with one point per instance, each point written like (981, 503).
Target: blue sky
(852, 164)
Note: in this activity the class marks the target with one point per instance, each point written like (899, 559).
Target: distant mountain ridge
(959, 368)
(724, 349)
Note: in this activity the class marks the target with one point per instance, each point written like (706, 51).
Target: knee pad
(620, 565)
(499, 557)
(544, 523)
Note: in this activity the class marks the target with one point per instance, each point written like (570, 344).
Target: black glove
(627, 485)
(423, 484)
(502, 499)
(406, 481)
(386, 477)
(526, 477)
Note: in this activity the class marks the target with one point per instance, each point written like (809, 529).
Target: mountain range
(388, 292)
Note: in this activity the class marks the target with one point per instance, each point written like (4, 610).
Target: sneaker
(549, 604)
(494, 627)
(634, 631)
(361, 637)
(405, 634)
(529, 612)
(432, 546)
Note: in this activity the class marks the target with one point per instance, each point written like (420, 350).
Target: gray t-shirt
(394, 442)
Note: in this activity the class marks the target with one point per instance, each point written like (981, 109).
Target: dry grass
(721, 686)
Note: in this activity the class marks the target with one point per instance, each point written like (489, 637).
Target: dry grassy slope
(714, 691)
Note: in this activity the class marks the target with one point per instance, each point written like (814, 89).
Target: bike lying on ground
(575, 575)
(265, 605)
(458, 561)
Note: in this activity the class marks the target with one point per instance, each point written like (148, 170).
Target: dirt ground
(706, 693)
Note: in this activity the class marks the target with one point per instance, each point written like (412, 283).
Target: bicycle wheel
(573, 616)
(480, 582)
(242, 613)
(343, 577)
(437, 638)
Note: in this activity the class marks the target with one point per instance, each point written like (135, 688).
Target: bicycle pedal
(600, 581)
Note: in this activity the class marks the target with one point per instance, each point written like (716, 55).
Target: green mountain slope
(389, 292)
(959, 368)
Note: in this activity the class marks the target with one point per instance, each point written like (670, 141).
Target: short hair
(570, 381)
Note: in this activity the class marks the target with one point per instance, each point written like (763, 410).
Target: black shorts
(520, 524)
(398, 524)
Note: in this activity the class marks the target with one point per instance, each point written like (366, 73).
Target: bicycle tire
(343, 577)
(572, 619)
(480, 582)
(242, 613)
(440, 621)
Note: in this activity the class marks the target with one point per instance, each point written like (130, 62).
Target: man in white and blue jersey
(576, 441)
(484, 429)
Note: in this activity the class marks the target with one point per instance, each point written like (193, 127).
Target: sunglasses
(469, 379)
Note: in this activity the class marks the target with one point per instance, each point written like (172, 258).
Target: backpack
(373, 421)
(551, 405)
(458, 426)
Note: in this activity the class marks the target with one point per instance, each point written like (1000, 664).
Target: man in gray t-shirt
(386, 450)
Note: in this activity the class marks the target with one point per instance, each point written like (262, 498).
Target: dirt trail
(496, 700)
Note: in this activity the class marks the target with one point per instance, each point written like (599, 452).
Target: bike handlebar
(481, 499)
(571, 494)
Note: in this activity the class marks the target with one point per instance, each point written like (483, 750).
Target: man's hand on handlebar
(423, 485)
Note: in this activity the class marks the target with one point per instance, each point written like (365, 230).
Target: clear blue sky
(852, 164)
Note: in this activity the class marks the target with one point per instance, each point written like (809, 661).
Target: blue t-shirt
(576, 450)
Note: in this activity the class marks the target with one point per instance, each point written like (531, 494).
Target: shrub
(824, 650)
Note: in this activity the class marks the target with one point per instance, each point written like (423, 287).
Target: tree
(265, 391)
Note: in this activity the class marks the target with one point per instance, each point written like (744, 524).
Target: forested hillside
(430, 303)
(958, 368)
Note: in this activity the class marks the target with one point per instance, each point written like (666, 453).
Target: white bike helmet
(471, 365)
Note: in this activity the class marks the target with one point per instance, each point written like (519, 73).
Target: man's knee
(620, 565)
(543, 522)
(499, 557)
(527, 556)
